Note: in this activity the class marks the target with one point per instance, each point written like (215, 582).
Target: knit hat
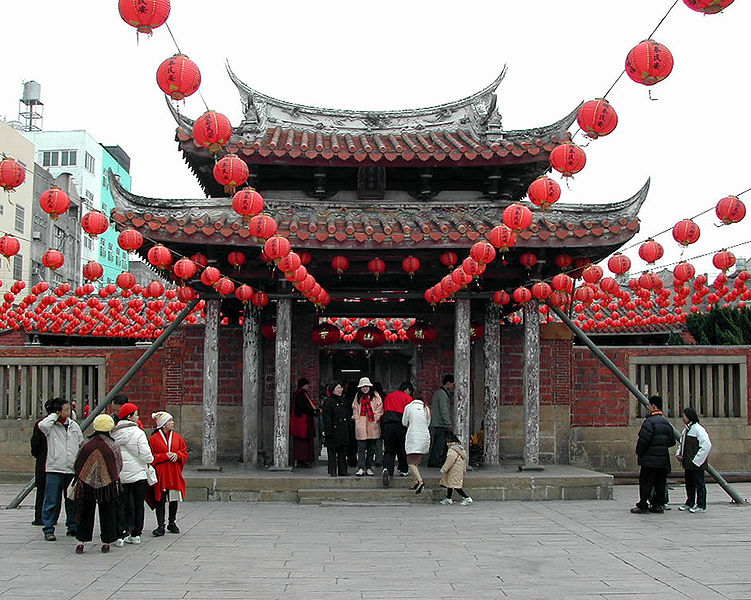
(161, 417)
(363, 382)
(126, 410)
(104, 423)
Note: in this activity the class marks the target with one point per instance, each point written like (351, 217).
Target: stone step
(364, 496)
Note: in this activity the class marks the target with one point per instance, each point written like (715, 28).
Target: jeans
(696, 488)
(438, 447)
(365, 453)
(53, 496)
(393, 446)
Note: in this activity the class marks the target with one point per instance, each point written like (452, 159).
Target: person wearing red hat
(137, 457)
(170, 455)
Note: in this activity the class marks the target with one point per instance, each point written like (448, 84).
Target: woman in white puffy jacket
(137, 456)
(416, 419)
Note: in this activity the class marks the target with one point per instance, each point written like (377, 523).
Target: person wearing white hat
(170, 455)
(367, 410)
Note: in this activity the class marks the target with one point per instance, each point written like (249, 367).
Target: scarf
(98, 470)
(366, 409)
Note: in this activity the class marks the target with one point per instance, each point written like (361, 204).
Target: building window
(59, 239)
(20, 218)
(18, 267)
(101, 248)
(59, 158)
(2, 209)
(89, 162)
(57, 279)
(88, 242)
(109, 252)
(89, 202)
(106, 181)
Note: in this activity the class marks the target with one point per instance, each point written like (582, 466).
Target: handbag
(298, 425)
(151, 477)
(70, 491)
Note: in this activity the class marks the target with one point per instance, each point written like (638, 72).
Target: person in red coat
(170, 455)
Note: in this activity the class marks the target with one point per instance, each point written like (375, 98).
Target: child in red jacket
(170, 454)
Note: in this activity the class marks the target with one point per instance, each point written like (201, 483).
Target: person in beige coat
(367, 410)
(453, 471)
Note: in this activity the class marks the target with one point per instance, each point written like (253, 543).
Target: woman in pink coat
(367, 410)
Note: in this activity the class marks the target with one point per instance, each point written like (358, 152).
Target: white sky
(692, 140)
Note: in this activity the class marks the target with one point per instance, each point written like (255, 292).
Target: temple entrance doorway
(387, 367)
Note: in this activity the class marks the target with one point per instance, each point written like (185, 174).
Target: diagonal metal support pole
(732, 492)
(157, 343)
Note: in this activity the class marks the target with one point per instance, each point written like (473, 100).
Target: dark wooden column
(210, 383)
(282, 382)
(531, 383)
(251, 390)
(492, 349)
(461, 370)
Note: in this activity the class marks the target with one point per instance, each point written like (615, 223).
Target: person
(453, 469)
(655, 437)
(336, 424)
(378, 459)
(394, 432)
(304, 410)
(693, 452)
(367, 410)
(440, 422)
(170, 455)
(39, 452)
(64, 438)
(97, 469)
(115, 405)
(416, 419)
(137, 457)
(73, 409)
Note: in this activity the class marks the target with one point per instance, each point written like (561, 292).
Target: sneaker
(133, 539)
(50, 537)
(105, 548)
(360, 472)
(71, 533)
(467, 501)
(159, 531)
(369, 472)
(639, 511)
(173, 528)
(403, 473)
(685, 507)
(79, 549)
(656, 509)
(119, 543)
(696, 509)
(385, 478)
(37, 523)
(447, 501)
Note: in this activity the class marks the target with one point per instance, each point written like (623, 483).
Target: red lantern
(650, 251)
(305, 257)
(340, 264)
(730, 210)
(597, 117)
(212, 130)
(502, 238)
(522, 295)
(224, 286)
(449, 259)
(517, 217)
(236, 259)
(231, 171)
(649, 63)
(200, 259)
(154, 290)
(247, 203)
(54, 202)
(411, 265)
(421, 333)
(683, 271)
(244, 293)
(592, 273)
(130, 240)
(53, 259)
(472, 267)
(298, 274)
(325, 334)
(262, 226)
(686, 232)
(290, 263)
(277, 247)
(619, 263)
(543, 192)
(568, 159)
(541, 290)
(95, 223)
(178, 77)
(708, 7)
(585, 294)
(185, 269)
(159, 256)
(648, 281)
(92, 271)
(9, 246)
(260, 299)
(12, 174)
(186, 294)
(144, 15)
(370, 337)
(528, 259)
(563, 283)
(461, 277)
(268, 330)
(558, 299)
(501, 297)
(376, 266)
(482, 252)
(126, 280)
(431, 296)
(210, 276)
(564, 261)
(723, 260)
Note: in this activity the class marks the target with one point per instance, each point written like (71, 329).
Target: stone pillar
(251, 389)
(282, 365)
(461, 370)
(531, 383)
(210, 383)
(492, 350)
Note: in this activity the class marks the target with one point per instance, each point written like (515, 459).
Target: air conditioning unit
(36, 235)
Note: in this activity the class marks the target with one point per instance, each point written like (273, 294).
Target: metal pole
(157, 343)
(736, 497)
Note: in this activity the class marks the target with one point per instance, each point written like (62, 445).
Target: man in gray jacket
(440, 422)
(64, 439)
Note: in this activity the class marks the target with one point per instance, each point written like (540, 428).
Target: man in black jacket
(655, 437)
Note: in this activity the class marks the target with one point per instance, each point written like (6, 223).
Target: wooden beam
(531, 383)
(282, 382)
(251, 388)
(461, 370)
(492, 349)
(210, 383)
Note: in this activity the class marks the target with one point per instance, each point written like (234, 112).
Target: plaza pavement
(531, 550)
